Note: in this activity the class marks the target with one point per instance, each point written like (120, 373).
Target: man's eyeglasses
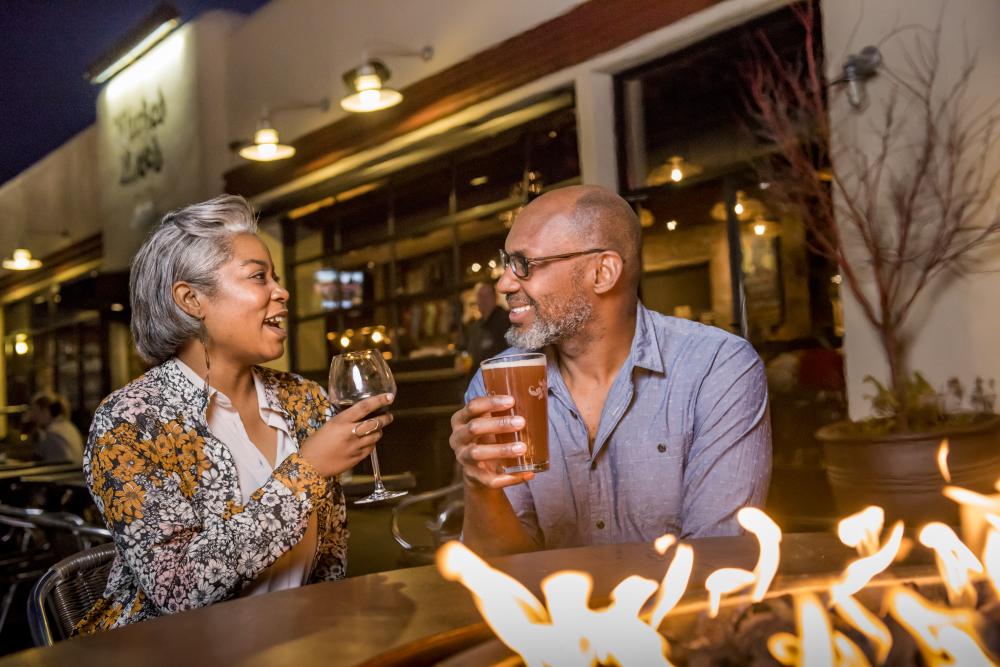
(521, 265)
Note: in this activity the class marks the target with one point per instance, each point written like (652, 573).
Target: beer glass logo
(538, 390)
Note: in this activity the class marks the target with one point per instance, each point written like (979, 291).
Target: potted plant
(896, 215)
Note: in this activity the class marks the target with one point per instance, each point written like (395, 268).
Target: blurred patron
(486, 334)
(57, 438)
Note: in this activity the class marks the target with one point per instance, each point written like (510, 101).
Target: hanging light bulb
(759, 228)
(22, 261)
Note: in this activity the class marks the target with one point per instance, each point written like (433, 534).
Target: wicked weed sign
(136, 130)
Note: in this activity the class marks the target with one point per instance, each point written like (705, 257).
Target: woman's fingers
(365, 407)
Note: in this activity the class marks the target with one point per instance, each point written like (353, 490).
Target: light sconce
(366, 83)
(858, 68)
(267, 146)
(674, 170)
(21, 345)
(163, 20)
(22, 261)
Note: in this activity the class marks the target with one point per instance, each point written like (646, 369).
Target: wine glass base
(379, 496)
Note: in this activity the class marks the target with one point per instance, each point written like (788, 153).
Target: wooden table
(350, 622)
(37, 468)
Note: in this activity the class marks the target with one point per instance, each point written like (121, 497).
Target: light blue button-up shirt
(683, 443)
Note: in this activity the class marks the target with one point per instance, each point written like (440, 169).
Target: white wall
(57, 192)
(174, 98)
(954, 329)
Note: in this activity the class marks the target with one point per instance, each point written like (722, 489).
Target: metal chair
(446, 524)
(38, 539)
(64, 594)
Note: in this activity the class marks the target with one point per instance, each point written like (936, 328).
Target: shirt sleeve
(729, 462)
(519, 495)
(184, 558)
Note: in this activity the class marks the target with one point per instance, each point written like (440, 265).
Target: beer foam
(514, 363)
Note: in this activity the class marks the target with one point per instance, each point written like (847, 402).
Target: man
(486, 335)
(58, 438)
(656, 424)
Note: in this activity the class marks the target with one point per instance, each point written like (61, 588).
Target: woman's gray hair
(189, 245)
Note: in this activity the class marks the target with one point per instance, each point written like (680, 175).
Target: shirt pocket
(652, 484)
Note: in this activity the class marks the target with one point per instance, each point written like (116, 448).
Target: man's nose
(508, 283)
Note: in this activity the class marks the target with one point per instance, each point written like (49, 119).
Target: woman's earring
(203, 337)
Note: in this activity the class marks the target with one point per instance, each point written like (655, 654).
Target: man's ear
(189, 300)
(607, 272)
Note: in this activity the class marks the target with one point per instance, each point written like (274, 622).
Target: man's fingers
(505, 424)
(494, 452)
(501, 481)
(479, 406)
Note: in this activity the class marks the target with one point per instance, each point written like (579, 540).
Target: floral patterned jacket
(169, 493)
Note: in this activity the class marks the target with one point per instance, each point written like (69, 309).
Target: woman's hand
(347, 438)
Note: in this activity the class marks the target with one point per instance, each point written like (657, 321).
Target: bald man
(656, 424)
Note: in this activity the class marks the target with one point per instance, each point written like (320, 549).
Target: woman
(217, 477)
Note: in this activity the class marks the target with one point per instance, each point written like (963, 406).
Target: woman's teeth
(275, 321)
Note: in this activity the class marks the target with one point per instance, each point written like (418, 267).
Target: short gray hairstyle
(190, 244)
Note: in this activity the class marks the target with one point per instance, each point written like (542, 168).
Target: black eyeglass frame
(512, 260)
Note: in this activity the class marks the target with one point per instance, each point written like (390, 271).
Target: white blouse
(292, 568)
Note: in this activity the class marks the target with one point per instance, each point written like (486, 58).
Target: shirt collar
(265, 399)
(644, 352)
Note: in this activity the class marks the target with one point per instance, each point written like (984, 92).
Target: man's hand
(472, 438)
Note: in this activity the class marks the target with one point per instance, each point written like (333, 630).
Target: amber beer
(523, 377)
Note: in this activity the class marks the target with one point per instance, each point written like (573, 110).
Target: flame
(867, 624)
(722, 581)
(768, 536)
(858, 573)
(945, 636)
(664, 542)
(862, 530)
(955, 562)
(991, 554)
(568, 632)
(942, 460)
(674, 584)
(815, 643)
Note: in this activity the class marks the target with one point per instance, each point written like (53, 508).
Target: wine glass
(355, 376)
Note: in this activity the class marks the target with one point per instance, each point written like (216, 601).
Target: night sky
(45, 47)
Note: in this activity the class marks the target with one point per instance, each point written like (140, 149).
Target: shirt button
(661, 448)
(600, 524)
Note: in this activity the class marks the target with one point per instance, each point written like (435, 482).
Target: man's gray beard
(569, 321)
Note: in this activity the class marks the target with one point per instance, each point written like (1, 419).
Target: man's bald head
(603, 220)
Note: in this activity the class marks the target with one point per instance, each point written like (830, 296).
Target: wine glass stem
(376, 472)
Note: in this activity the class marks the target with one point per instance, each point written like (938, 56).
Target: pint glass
(523, 377)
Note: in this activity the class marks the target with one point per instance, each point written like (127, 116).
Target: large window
(716, 247)
(392, 263)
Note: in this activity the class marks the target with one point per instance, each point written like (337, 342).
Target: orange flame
(674, 584)
(768, 536)
(945, 636)
(862, 530)
(973, 508)
(955, 562)
(815, 643)
(664, 542)
(857, 574)
(867, 623)
(942, 460)
(722, 581)
(991, 554)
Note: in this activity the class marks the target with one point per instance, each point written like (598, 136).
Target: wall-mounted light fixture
(267, 146)
(144, 36)
(366, 83)
(858, 68)
(22, 260)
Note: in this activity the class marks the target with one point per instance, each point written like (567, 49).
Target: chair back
(64, 594)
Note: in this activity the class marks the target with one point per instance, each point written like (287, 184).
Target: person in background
(58, 438)
(486, 334)
(656, 424)
(217, 477)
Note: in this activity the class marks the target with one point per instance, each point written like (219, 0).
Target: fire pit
(861, 615)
